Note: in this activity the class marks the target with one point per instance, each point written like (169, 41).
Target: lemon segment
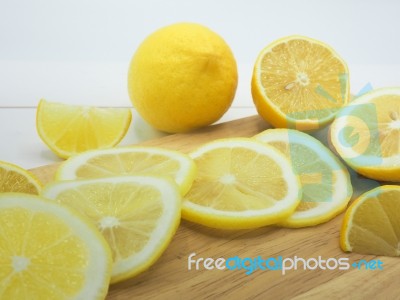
(240, 184)
(134, 160)
(49, 252)
(182, 77)
(16, 179)
(371, 224)
(137, 215)
(366, 134)
(71, 129)
(326, 185)
(299, 83)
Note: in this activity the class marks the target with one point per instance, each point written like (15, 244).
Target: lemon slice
(70, 129)
(16, 179)
(130, 161)
(325, 181)
(49, 252)
(371, 225)
(137, 215)
(241, 183)
(299, 83)
(366, 134)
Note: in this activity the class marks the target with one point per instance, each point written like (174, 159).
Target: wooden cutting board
(170, 278)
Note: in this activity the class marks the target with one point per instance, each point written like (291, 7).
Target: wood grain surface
(170, 278)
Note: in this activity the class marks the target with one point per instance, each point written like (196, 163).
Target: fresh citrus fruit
(50, 252)
(130, 161)
(371, 225)
(16, 179)
(241, 183)
(299, 83)
(366, 134)
(71, 129)
(325, 181)
(138, 216)
(182, 77)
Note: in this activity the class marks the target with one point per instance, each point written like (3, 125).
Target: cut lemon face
(16, 179)
(299, 83)
(241, 183)
(326, 186)
(130, 161)
(371, 225)
(70, 129)
(49, 252)
(137, 215)
(366, 134)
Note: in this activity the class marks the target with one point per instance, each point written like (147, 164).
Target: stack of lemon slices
(109, 217)
(132, 195)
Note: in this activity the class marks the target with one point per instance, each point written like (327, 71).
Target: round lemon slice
(241, 183)
(137, 215)
(371, 224)
(325, 181)
(71, 129)
(130, 161)
(48, 251)
(16, 179)
(299, 83)
(366, 134)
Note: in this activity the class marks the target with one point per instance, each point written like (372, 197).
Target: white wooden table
(104, 84)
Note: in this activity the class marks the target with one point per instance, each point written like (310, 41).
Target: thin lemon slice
(49, 252)
(241, 183)
(299, 83)
(71, 129)
(325, 181)
(16, 179)
(366, 134)
(130, 161)
(137, 215)
(371, 225)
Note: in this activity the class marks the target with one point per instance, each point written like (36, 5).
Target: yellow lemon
(366, 134)
(182, 77)
(299, 83)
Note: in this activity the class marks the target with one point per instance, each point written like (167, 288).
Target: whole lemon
(182, 77)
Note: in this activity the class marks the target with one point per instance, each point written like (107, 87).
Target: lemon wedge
(71, 129)
(371, 224)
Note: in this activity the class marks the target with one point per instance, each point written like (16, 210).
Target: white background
(79, 51)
